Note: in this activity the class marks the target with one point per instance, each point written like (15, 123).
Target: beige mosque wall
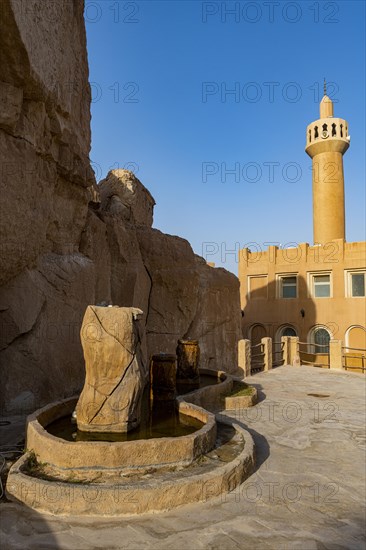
(262, 303)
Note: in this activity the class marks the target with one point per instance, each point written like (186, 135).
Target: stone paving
(308, 491)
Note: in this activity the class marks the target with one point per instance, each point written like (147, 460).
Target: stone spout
(164, 376)
(188, 358)
(114, 382)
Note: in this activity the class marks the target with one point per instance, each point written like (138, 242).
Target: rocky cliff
(66, 242)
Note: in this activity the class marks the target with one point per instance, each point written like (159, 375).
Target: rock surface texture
(111, 397)
(67, 242)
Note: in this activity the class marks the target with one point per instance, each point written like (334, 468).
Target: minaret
(327, 140)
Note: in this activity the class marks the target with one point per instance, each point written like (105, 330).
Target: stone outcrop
(45, 131)
(66, 242)
(111, 397)
(46, 183)
(123, 195)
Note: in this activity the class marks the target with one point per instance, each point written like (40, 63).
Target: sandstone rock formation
(111, 397)
(66, 242)
(45, 137)
(122, 194)
(45, 182)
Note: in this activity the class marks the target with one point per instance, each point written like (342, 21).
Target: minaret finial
(325, 87)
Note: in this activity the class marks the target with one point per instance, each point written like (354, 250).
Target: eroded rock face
(41, 312)
(66, 242)
(111, 397)
(216, 324)
(190, 299)
(123, 194)
(46, 184)
(121, 263)
(173, 300)
(44, 131)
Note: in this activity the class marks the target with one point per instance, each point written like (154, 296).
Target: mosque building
(314, 292)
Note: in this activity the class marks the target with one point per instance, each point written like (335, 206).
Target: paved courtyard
(308, 491)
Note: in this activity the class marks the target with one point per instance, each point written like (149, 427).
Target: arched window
(316, 132)
(285, 330)
(319, 339)
(334, 130)
(256, 333)
(322, 338)
(288, 331)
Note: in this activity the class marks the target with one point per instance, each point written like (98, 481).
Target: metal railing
(277, 352)
(360, 356)
(303, 354)
(258, 364)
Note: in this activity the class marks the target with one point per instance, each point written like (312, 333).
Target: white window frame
(348, 281)
(311, 282)
(279, 286)
(265, 276)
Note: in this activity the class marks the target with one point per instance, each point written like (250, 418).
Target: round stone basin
(157, 452)
(213, 385)
(188, 434)
(98, 477)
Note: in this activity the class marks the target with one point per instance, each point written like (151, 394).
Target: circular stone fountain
(93, 469)
(127, 455)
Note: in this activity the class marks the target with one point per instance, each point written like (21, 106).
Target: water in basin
(204, 380)
(158, 419)
(163, 422)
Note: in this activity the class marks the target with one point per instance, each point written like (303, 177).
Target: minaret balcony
(327, 134)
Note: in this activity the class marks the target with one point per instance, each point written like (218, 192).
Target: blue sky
(226, 168)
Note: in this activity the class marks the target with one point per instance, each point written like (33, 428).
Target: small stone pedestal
(163, 376)
(188, 358)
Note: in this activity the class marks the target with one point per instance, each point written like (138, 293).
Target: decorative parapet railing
(334, 356)
(328, 129)
(257, 358)
(319, 355)
(354, 359)
(290, 351)
(278, 354)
